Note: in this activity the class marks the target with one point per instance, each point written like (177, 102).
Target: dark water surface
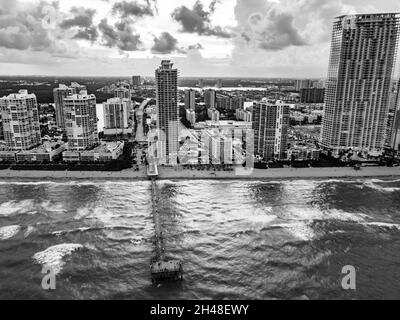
(237, 240)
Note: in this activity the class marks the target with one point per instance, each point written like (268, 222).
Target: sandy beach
(181, 174)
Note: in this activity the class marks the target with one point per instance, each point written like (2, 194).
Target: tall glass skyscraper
(168, 112)
(361, 66)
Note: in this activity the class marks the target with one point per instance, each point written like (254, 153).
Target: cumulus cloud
(266, 26)
(196, 46)
(133, 9)
(165, 44)
(21, 27)
(121, 35)
(198, 20)
(81, 17)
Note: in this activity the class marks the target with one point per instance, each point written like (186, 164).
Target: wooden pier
(161, 268)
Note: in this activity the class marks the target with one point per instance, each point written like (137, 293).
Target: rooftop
(108, 147)
(83, 95)
(43, 148)
(22, 94)
(370, 15)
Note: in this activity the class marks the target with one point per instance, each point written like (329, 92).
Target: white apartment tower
(116, 116)
(60, 94)
(362, 61)
(270, 124)
(20, 116)
(167, 111)
(395, 136)
(81, 121)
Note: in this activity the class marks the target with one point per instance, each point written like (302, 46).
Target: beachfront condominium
(362, 61)
(81, 121)
(60, 94)
(20, 116)
(190, 99)
(270, 124)
(395, 135)
(167, 112)
(116, 116)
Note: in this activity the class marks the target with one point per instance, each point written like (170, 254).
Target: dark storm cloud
(121, 35)
(89, 34)
(81, 20)
(165, 44)
(132, 9)
(81, 17)
(197, 20)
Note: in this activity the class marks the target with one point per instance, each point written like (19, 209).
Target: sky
(204, 38)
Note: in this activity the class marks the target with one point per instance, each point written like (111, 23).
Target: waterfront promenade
(179, 173)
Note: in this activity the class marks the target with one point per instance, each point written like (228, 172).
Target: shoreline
(181, 174)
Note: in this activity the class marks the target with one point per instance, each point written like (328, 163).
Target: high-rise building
(168, 111)
(395, 136)
(136, 81)
(303, 84)
(312, 95)
(81, 121)
(20, 116)
(270, 124)
(190, 99)
(116, 116)
(219, 83)
(360, 72)
(60, 94)
(390, 119)
(210, 97)
(122, 92)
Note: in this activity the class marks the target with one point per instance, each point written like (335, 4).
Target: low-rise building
(105, 152)
(243, 115)
(191, 116)
(43, 153)
(7, 157)
(303, 153)
(213, 114)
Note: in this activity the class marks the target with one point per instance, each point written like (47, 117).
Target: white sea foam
(52, 207)
(62, 232)
(373, 185)
(259, 221)
(313, 213)
(53, 256)
(383, 225)
(300, 230)
(299, 219)
(8, 232)
(14, 207)
(29, 231)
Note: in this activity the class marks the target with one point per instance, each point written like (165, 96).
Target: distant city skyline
(204, 38)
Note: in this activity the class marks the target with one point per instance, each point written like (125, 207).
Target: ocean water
(237, 240)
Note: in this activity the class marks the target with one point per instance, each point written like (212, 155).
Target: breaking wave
(53, 256)
(9, 232)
